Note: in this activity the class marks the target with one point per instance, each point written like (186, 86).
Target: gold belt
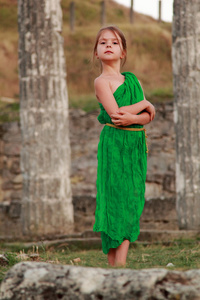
(130, 129)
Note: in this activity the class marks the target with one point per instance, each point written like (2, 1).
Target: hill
(149, 50)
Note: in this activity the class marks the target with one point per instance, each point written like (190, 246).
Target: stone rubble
(38, 281)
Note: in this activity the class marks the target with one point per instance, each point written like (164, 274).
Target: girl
(122, 149)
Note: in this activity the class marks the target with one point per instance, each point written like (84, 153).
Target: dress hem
(108, 242)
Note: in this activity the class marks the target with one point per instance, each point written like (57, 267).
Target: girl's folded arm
(139, 107)
(142, 119)
(105, 95)
(136, 108)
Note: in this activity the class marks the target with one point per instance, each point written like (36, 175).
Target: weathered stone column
(45, 157)
(186, 72)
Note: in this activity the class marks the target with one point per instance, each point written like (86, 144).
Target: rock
(15, 166)
(3, 260)
(169, 265)
(31, 280)
(159, 214)
(18, 179)
(15, 209)
(34, 256)
(76, 260)
(12, 149)
(8, 100)
(22, 256)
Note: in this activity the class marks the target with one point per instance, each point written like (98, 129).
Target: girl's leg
(111, 256)
(121, 253)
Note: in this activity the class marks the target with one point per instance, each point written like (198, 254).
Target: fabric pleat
(121, 173)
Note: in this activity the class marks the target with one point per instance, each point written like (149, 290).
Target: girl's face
(109, 47)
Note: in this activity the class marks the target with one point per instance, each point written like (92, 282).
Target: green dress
(121, 173)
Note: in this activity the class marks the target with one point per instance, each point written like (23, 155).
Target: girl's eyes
(115, 43)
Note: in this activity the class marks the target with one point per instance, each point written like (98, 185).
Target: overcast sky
(150, 7)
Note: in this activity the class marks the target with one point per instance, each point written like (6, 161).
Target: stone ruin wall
(84, 136)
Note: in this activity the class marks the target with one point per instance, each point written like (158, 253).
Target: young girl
(122, 148)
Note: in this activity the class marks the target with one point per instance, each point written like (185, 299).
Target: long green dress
(121, 173)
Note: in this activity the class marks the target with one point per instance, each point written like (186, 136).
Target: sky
(150, 7)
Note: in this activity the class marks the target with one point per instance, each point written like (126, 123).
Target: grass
(12, 258)
(159, 95)
(183, 254)
(86, 102)
(9, 112)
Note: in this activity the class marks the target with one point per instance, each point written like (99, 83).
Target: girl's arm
(125, 118)
(143, 119)
(105, 95)
(131, 108)
(106, 98)
(138, 107)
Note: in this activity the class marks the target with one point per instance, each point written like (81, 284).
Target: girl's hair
(116, 32)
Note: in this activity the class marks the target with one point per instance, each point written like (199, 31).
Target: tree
(186, 74)
(45, 156)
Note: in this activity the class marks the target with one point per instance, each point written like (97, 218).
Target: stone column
(45, 157)
(132, 13)
(159, 10)
(186, 74)
(103, 12)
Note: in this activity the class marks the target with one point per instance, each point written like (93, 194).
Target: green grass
(12, 258)
(184, 254)
(160, 95)
(8, 15)
(86, 102)
(9, 112)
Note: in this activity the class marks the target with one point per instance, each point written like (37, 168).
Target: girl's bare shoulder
(102, 87)
(101, 82)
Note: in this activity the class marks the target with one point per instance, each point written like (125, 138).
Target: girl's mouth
(108, 52)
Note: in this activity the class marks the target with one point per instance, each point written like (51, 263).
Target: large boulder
(38, 281)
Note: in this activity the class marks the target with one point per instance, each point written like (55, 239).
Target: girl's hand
(151, 110)
(123, 118)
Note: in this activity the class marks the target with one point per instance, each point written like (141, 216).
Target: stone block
(7, 185)
(83, 222)
(169, 182)
(3, 162)
(7, 195)
(15, 209)
(6, 174)
(4, 207)
(16, 138)
(14, 165)
(153, 190)
(159, 214)
(16, 195)
(84, 203)
(1, 147)
(18, 179)
(30, 280)
(17, 187)
(12, 149)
